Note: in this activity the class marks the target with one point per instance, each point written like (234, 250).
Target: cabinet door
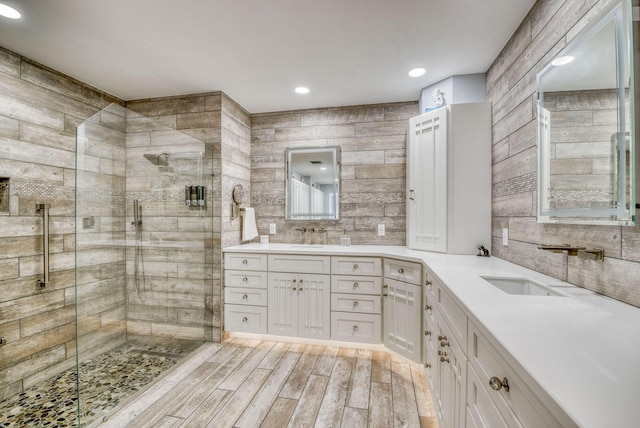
(452, 370)
(427, 182)
(283, 304)
(314, 306)
(402, 319)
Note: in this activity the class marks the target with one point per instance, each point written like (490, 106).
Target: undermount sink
(306, 246)
(521, 286)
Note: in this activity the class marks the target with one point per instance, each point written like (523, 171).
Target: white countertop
(583, 350)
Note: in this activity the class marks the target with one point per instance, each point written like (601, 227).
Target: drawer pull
(245, 319)
(355, 304)
(427, 282)
(497, 384)
(442, 337)
(444, 359)
(444, 344)
(245, 261)
(245, 279)
(400, 270)
(245, 297)
(427, 333)
(355, 328)
(355, 266)
(427, 307)
(355, 285)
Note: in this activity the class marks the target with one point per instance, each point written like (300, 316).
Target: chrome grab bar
(44, 209)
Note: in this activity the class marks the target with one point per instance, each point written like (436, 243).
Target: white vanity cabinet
(402, 307)
(299, 290)
(356, 306)
(448, 183)
(245, 292)
(444, 351)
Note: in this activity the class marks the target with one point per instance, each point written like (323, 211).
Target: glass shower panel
(143, 275)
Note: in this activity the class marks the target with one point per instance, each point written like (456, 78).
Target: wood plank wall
(39, 112)
(373, 143)
(511, 87)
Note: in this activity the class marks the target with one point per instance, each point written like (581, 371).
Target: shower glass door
(143, 275)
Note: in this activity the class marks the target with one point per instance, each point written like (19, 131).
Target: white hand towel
(249, 229)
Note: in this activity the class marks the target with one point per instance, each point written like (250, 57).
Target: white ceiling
(347, 52)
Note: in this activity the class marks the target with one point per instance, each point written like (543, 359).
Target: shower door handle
(44, 209)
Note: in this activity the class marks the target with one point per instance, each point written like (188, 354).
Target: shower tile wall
(373, 143)
(236, 166)
(185, 289)
(39, 112)
(511, 86)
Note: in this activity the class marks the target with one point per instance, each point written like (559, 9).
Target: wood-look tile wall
(39, 112)
(183, 295)
(373, 142)
(511, 86)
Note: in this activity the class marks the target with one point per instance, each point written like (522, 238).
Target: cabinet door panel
(283, 305)
(427, 181)
(314, 311)
(402, 319)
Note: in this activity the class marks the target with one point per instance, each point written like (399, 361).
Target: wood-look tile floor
(254, 383)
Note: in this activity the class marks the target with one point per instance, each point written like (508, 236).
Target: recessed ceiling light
(302, 90)
(417, 72)
(9, 12)
(563, 60)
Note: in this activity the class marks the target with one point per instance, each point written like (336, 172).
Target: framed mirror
(586, 134)
(313, 183)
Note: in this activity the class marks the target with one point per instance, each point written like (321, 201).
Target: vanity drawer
(356, 284)
(238, 278)
(245, 296)
(519, 405)
(403, 271)
(364, 328)
(299, 263)
(356, 266)
(364, 303)
(245, 261)
(248, 319)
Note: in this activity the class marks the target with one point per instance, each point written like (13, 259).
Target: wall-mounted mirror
(586, 136)
(313, 183)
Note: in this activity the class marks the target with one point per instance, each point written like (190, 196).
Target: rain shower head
(162, 159)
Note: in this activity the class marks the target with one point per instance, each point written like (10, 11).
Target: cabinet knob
(355, 304)
(355, 328)
(295, 288)
(300, 288)
(384, 294)
(300, 281)
(294, 281)
(245, 279)
(245, 261)
(427, 307)
(444, 359)
(355, 266)
(355, 285)
(427, 282)
(444, 344)
(427, 365)
(245, 319)
(400, 270)
(385, 286)
(442, 337)
(427, 333)
(497, 384)
(245, 297)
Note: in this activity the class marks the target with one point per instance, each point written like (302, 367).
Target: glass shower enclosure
(142, 255)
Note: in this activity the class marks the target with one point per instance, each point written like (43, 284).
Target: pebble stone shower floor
(107, 381)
